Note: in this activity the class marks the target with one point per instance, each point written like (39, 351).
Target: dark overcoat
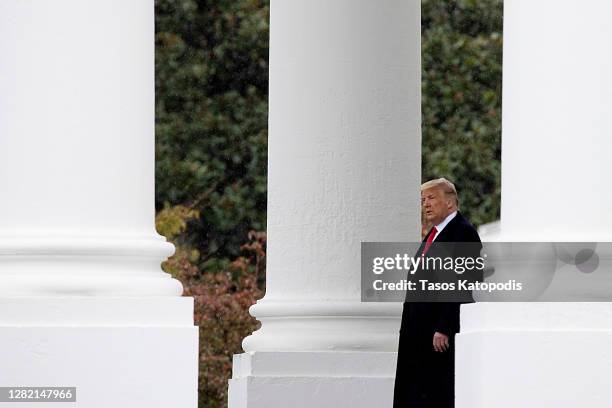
(424, 377)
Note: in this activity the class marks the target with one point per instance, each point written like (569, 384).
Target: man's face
(435, 205)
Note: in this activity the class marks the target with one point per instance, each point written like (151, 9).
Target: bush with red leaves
(222, 300)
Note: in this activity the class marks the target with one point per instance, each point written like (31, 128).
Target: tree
(461, 52)
(211, 119)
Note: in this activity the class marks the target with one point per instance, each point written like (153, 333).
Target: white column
(344, 167)
(83, 300)
(557, 104)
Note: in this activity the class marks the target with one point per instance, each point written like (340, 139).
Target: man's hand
(440, 342)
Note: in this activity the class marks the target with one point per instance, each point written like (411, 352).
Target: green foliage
(461, 52)
(172, 221)
(211, 119)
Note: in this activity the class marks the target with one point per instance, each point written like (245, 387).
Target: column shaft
(557, 104)
(557, 95)
(344, 167)
(77, 150)
(83, 300)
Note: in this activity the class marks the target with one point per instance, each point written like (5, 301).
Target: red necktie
(430, 239)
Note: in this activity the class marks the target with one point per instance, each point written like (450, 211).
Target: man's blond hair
(446, 186)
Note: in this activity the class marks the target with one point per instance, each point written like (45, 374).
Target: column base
(116, 352)
(534, 355)
(328, 326)
(312, 379)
